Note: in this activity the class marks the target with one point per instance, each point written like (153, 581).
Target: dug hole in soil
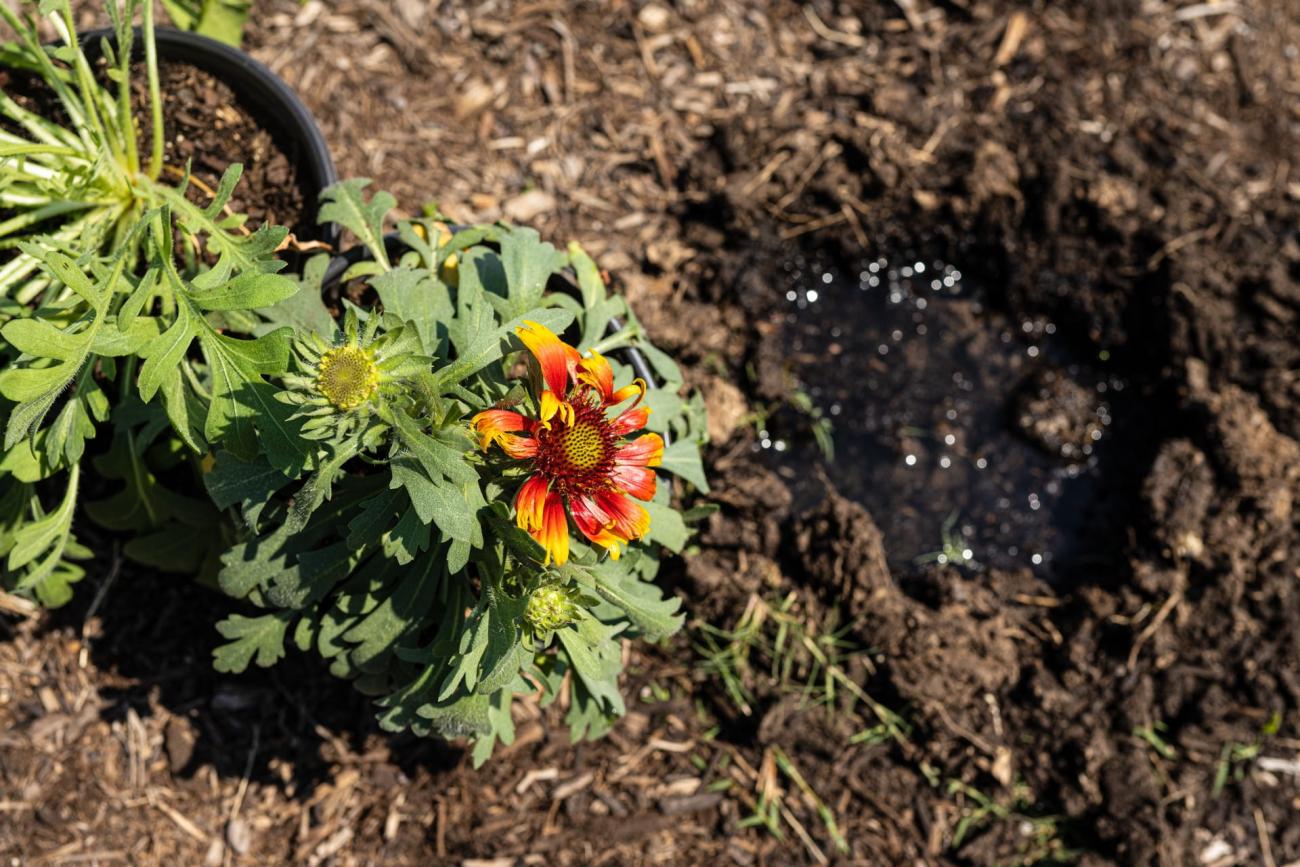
(1058, 528)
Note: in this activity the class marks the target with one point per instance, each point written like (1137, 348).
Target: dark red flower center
(577, 457)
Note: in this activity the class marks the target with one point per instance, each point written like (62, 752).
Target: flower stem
(623, 337)
(155, 99)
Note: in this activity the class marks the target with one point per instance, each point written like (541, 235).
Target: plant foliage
(161, 376)
(107, 332)
(390, 547)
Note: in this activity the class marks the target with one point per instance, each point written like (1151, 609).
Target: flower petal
(637, 481)
(627, 519)
(550, 405)
(630, 420)
(591, 521)
(492, 424)
(529, 503)
(637, 389)
(553, 355)
(597, 373)
(519, 448)
(646, 450)
(554, 535)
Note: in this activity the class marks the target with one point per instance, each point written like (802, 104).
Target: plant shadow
(155, 633)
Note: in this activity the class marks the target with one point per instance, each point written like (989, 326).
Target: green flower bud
(550, 607)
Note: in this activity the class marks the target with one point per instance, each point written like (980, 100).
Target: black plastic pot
(265, 95)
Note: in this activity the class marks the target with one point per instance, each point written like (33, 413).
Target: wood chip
(535, 776)
(573, 786)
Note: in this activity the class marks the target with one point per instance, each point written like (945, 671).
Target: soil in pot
(207, 127)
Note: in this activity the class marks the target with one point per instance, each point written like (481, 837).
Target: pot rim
(273, 103)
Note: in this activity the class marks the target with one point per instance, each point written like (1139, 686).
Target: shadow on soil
(158, 642)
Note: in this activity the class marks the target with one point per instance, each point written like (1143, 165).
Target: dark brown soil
(207, 128)
(1120, 171)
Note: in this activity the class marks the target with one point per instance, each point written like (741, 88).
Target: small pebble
(238, 836)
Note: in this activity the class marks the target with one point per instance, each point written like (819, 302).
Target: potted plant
(449, 485)
(118, 240)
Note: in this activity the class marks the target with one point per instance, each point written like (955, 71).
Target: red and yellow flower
(583, 465)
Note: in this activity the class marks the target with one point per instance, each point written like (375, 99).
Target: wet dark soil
(978, 438)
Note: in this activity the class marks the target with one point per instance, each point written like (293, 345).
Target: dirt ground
(1119, 170)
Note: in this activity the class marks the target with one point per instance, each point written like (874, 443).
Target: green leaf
(664, 407)
(224, 20)
(441, 503)
(590, 282)
(248, 292)
(135, 302)
(345, 204)
(491, 649)
(438, 459)
(303, 311)
(460, 717)
(596, 656)
(183, 13)
(243, 402)
(374, 517)
(75, 423)
(27, 461)
(491, 345)
(529, 263)
(37, 385)
(233, 481)
(501, 722)
(315, 573)
(408, 538)
(55, 588)
(185, 409)
(229, 178)
(128, 340)
(642, 602)
(163, 354)
(43, 541)
(397, 615)
(72, 276)
(667, 527)
(588, 717)
(474, 322)
(143, 502)
(682, 458)
(282, 563)
(41, 339)
(261, 637)
(428, 664)
(663, 365)
(415, 296)
(178, 548)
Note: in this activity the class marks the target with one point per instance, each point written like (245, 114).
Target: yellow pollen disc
(347, 377)
(583, 446)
